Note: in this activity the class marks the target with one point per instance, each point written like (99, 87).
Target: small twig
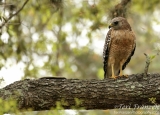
(5, 22)
(148, 61)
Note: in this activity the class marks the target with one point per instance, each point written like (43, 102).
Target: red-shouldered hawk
(119, 47)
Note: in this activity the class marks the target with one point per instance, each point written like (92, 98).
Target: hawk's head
(119, 23)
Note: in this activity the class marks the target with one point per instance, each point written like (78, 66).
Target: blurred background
(66, 37)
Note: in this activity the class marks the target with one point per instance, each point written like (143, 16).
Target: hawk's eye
(116, 23)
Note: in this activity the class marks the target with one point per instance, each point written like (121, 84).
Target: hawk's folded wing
(106, 51)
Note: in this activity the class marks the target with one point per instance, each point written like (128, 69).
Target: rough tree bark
(42, 94)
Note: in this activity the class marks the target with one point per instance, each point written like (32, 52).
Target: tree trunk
(42, 94)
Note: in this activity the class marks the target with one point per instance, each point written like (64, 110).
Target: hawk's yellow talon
(114, 77)
(126, 75)
(123, 75)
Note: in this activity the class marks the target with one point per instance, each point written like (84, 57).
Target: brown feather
(129, 58)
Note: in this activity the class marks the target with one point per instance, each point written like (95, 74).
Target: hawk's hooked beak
(110, 25)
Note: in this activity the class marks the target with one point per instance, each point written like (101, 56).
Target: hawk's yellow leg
(113, 76)
(121, 71)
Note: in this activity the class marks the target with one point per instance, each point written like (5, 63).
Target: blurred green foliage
(8, 106)
(66, 37)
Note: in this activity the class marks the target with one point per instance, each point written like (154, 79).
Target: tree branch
(11, 16)
(42, 94)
